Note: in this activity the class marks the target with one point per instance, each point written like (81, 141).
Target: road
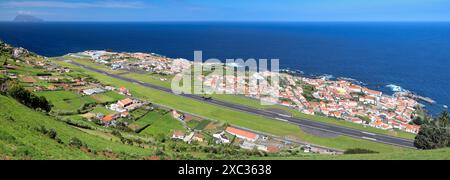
(273, 115)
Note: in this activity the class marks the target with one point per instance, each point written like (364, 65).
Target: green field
(193, 124)
(103, 110)
(66, 100)
(147, 119)
(237, 118)
(107, 97)
(69, 101)
(138, 113)
(202, 125)
(159, 124)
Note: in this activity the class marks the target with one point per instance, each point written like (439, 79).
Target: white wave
(396, 88)
(351, 80)
(327, 77)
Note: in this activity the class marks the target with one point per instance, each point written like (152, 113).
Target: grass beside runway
(439, 154)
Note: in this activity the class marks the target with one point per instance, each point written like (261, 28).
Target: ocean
(384, 56)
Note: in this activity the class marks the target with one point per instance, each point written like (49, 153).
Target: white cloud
(62, 4)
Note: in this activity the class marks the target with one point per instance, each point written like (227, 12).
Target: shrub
(52, 134)
(75, 142)
(359, 151)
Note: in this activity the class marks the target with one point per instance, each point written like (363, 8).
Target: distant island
(27, 18)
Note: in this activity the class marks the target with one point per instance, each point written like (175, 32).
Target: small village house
(246, 135)
(178, 135)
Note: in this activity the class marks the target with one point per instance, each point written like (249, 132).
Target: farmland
(157, 122)
(161, 125)
(107, 97)
(66, 100)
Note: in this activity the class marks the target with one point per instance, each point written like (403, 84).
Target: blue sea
(413, 56)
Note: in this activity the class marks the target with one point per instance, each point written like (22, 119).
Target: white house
(221, 138)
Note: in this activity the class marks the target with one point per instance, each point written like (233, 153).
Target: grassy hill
(20, 139)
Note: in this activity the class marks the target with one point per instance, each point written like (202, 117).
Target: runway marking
(368, 138)
(284, 115)
(372, 134)
(282, 119)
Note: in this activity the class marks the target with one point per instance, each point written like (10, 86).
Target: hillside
(20, 138)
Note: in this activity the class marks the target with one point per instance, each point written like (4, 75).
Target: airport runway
(273, 115)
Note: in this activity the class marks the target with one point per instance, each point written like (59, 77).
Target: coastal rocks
(19, 52)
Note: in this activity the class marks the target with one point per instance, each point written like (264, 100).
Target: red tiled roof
(273, 149)
(178, 133)
(126, 101)
(122, 89)
(242, 133)
(108, 118)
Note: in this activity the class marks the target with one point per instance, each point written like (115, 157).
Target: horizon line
(232, 21)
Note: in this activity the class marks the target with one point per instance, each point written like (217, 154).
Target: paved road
(273, 115)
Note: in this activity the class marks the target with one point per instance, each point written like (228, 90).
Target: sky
(228, 10)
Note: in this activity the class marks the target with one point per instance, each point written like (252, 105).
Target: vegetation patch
(107, 97)
(202, 125)
(164, 125)
(67, 101)
(360, 151)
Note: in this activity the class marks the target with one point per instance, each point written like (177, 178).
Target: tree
(5, 61)
(27, 98)
(443, 119)
(419, 120)
(432, 137)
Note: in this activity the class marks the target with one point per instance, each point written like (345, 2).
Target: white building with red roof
(242, 134)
